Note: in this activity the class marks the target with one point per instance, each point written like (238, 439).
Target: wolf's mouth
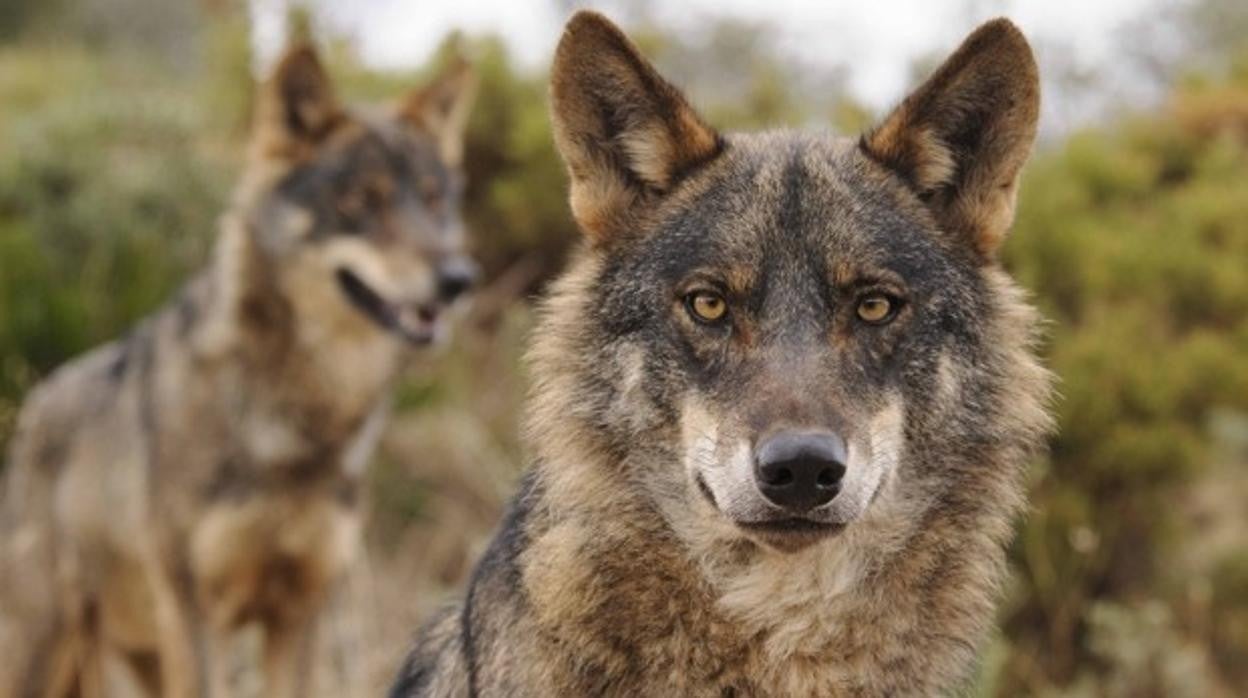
(415, 323)
(787, 533)
(790, 534)
(793, 525)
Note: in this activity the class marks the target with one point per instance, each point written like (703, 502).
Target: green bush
(109, 189)
(1135, 242)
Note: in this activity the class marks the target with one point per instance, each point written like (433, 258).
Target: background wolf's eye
(430, 189)
(706, 306)
(876, 309)
(371, 196)
(352, 204)
(378, 193)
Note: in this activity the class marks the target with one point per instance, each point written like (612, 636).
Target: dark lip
(791, 525)
(389, 316)
(790, 535)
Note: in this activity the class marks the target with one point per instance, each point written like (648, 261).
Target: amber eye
(371, 196)
(430, 189)
(378, 194)
(876, 309)
(706, 306)
(352, 204)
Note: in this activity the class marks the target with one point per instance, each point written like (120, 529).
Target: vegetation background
(121, 129)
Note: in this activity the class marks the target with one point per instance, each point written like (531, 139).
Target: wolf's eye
(369, 197)
(706, 306)
(876, 309)
(430, 189)
(378, 194)
(352, 204)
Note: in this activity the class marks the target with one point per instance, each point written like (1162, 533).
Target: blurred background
(122, 125)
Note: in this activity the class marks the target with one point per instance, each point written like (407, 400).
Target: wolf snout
(456, 276)
(800, 470)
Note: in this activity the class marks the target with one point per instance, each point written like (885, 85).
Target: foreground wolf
(783, 400)
(204, 472)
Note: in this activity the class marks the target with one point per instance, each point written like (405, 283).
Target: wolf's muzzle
(800, 470)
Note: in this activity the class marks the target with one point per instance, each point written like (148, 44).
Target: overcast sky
(876, 39)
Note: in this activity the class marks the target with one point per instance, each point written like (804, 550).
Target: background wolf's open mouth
(415, 323)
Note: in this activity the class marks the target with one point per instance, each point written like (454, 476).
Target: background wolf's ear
(442, 107)
(296, 107)
(626, 134)
(962, 137)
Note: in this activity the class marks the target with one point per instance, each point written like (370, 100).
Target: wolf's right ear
(296, 107)
(626, 134)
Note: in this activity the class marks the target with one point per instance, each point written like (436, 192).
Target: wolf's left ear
(296, 108)
(442, 108)
(626, 134)
(962, 137)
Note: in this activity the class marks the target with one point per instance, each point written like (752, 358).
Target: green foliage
(108, 197)
(1135, 242)
(516, 201)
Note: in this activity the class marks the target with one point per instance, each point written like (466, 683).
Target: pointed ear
(296, 108)
(442, 108)
(626, 134)
(962, 137)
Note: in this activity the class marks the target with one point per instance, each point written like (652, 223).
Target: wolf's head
(351, 215)
(777, 331)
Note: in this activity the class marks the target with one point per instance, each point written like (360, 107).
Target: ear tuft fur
(961, 138)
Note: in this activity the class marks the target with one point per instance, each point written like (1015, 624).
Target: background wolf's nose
(800, 470)
(455, 276)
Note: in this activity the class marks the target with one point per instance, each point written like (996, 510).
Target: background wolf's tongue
(416, 324)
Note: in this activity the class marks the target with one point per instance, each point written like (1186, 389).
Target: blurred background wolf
(203, 473)
(123, 125)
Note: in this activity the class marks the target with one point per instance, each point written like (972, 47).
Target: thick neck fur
(899, 603)
(290, 385)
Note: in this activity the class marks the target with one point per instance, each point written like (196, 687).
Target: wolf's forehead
(363, 155)
(793, 196)
(382, 125)
(378, 139)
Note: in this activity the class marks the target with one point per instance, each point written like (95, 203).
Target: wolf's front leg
(183, 640)
(288, 646)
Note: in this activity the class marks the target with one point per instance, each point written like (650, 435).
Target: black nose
(455, 276)
(800, 470)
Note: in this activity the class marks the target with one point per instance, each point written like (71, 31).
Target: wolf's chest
(268, 555)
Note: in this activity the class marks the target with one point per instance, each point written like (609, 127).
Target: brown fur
(204, 472)
(630, 563)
